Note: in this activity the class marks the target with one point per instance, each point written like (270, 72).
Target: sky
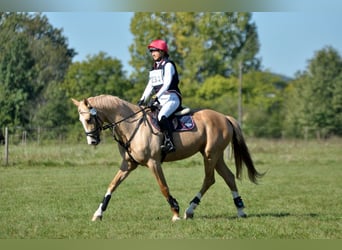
(287, 39)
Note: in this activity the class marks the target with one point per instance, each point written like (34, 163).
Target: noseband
(95, 133)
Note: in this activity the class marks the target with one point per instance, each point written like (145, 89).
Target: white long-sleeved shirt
(157, 78)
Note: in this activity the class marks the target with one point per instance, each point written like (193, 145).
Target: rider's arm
(147, 91)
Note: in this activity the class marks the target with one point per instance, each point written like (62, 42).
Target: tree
(99, 74)
(203, 45)
(263, 96)
(317, 93)
(294, 106)
(218, 93)
(33, 55)
(336, 105)
(16, 74)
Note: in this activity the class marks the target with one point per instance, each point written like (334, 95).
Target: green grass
(52, 191)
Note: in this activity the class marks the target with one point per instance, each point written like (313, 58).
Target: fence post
(240, 95)
(6, 146)
(23, 137)
(38, 135)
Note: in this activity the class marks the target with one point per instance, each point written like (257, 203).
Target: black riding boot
(165, 127)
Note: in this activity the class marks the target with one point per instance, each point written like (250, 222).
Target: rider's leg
(169, 104)
(165, 126)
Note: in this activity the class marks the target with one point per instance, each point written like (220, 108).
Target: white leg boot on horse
(239, 204)
(121, 175)
(223, 170)
(189, 212)
(209, 180)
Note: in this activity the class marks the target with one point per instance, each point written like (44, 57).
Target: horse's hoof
(188, 216)
(175, 218)
(241, 213)
(95, 218)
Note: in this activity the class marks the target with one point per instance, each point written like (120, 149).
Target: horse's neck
(119, 111)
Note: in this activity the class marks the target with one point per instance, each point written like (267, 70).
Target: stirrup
(168, 146)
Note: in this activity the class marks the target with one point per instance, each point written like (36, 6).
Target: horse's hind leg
(209, 180)
(229, 178)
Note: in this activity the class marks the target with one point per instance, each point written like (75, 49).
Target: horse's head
(89, 118)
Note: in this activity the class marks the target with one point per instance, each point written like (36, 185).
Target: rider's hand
(140, 102)
(154, 101)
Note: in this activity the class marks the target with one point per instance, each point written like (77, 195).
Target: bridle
(95, 133)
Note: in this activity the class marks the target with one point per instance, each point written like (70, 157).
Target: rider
(163, 83)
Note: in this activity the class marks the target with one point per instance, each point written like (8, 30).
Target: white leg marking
(98, 213)
(175, 218)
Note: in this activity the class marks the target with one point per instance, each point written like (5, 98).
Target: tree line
(212, 52)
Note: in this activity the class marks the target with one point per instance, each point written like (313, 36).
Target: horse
(139, 144)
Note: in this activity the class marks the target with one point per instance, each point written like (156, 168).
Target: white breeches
(169, 103)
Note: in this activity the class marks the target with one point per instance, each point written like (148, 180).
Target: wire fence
(43, 135)
(34, 135)
(39, 137)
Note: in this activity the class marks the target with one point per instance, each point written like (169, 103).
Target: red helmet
(158, 44)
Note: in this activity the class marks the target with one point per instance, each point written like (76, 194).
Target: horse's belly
(183, 151)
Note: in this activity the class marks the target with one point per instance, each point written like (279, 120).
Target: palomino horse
(139, 144)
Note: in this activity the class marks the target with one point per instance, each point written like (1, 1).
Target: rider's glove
(153, 102)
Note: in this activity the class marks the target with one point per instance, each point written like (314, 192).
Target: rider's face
(156, 55)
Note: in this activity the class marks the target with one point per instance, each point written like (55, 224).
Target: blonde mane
(104, 101)
(109, 105)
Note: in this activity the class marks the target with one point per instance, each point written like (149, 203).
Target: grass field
(52, 191)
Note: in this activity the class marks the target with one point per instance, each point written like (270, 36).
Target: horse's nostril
(95, 141)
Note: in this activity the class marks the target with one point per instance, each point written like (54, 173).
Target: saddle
(181, 120)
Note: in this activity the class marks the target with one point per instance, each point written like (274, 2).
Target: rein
(121, 143)
(114, 124)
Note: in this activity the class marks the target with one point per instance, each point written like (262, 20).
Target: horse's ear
(86, 102)
(77, 103)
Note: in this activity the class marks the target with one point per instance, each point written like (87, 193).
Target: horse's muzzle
(93, 140)
(95, 143)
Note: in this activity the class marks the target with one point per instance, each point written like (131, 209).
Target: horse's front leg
(158, 173)
(125, 169)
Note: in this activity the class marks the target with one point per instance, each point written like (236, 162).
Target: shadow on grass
(282, 214)
(259, 215)
(276, 215)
